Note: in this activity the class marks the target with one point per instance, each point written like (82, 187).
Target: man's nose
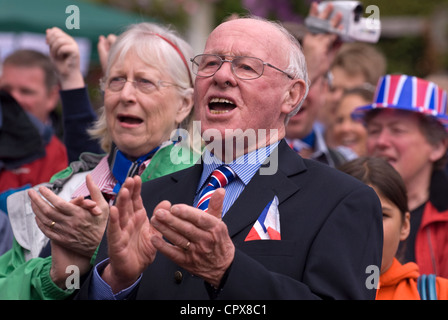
(224, 76)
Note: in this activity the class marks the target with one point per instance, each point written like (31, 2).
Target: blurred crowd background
(414, 35)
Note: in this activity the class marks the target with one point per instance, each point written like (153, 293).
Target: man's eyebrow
(233, 54)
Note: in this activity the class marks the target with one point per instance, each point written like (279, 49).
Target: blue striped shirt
(245, 168)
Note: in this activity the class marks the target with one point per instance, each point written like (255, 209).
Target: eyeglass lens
(145, 86)
(243, 67)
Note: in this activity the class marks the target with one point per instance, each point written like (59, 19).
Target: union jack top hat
(408, 93)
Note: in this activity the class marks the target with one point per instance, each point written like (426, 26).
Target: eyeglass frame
(231, 63)
(158, 84)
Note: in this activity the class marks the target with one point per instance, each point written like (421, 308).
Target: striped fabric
(412, 93)
(244, 167)
(267, 226)
(221, 177)
(104, 179)
(408, 93)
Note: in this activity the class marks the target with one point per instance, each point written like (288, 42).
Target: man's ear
(296, 93)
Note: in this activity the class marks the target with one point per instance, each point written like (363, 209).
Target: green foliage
(225, 8)
(410, 55)
(405, 7)
(405, 55)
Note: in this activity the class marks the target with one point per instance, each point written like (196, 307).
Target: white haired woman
(148, 94)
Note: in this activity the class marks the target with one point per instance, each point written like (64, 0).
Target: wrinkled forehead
(248, 37)
(150, 50)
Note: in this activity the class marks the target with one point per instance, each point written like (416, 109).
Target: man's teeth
(220, 100)
(218, 111)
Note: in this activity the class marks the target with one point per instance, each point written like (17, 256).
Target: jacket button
(178, 276)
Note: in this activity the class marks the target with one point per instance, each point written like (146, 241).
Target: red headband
(180, 54)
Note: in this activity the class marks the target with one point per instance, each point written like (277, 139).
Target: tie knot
(222, 176)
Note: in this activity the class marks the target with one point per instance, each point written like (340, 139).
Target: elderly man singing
(303, 231)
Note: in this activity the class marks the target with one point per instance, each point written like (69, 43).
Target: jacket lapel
(262, 189)
(185, 184)
(179, 188)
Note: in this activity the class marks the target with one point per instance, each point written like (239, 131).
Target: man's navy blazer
(331, 235)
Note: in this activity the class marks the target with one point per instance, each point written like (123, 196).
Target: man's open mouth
(220, 105)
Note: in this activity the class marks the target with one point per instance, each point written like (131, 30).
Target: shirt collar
(104, 179)
(244, 167)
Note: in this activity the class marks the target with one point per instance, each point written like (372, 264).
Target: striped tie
(219, 179)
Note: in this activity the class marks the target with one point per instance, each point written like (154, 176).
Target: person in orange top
(397, 281)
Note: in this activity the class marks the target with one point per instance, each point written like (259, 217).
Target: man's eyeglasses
(116, 84)
(246, 68)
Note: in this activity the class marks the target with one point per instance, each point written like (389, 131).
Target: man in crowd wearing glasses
(302, 231)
